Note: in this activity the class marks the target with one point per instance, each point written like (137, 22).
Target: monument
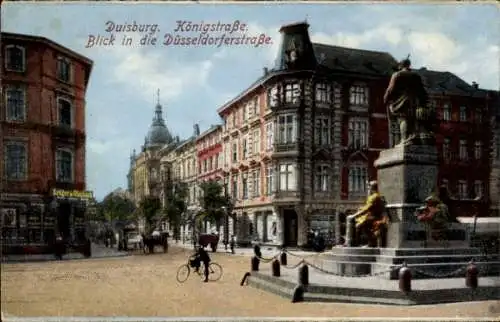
(407, 179)
(406, 224)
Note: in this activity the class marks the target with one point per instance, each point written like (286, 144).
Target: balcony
(286, 196)
(285, 150)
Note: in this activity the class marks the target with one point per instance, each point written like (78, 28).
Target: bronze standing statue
(407, 98)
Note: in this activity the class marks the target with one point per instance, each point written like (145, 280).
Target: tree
(115, 207)
(149, 207)
(214, 200)
(176, 205)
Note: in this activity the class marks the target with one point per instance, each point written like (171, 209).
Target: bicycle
(214, 271)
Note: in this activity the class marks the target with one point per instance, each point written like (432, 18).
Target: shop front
(31, 223)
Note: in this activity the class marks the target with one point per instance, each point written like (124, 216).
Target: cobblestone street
(145, 285)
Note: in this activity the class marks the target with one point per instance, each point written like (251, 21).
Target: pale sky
(195, 81)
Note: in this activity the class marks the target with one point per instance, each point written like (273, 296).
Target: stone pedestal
(406, 175)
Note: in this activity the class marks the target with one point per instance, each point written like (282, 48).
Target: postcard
(249, 161)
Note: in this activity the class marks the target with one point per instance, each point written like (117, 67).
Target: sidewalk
(267, 251)
(98, 251)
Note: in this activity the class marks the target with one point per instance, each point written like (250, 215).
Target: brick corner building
(300, 142)
(42, 139)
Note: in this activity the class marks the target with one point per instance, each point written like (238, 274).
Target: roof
(32, 38)
(448, 83)
(336, 58)
(354, 60)
(211, 129)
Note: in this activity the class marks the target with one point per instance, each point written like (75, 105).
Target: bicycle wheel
(214, 272)
(183, 273)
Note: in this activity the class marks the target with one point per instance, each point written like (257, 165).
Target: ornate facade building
(145, 173)
(300, 142)
(179, 168)
(42, 139)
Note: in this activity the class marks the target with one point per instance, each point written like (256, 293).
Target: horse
(151, 241)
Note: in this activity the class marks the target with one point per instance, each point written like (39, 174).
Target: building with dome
(144, 174)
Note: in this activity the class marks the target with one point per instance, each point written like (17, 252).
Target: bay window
(287, 128)
(292, 93)
(287, 174)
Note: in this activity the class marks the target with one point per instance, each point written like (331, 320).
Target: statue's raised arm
(407, 99)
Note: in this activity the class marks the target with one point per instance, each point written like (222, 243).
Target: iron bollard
(256, 251)
(471, 275)
(304, 275)
(276, 268)
(283, 259)
(255, 263)
(405, 279)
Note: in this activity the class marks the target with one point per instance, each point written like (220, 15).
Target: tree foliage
(149, 207)
(176, 205)
(115, 207)
(214, 200)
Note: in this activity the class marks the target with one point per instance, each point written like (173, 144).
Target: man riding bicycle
(201, 256)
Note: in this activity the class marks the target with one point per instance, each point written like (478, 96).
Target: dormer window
(64, 69)
(15, 58)
(358, 95)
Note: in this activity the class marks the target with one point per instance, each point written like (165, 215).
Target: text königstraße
(185, 33)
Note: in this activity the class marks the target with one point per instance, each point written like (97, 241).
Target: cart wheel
(183, 273)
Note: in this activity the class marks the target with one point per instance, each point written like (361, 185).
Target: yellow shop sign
(74, 194)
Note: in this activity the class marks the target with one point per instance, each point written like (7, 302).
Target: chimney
(196, 130)
(266, 71)
(475, 85)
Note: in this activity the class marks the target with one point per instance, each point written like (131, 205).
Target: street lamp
(226, 215)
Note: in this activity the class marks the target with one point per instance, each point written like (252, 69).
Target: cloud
(437, 48)
(269, 53)
(144, 72)
(387, 33)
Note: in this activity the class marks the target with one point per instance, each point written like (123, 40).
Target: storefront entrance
(63, 219)
(291, 227)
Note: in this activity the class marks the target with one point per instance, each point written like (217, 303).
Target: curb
(40, 260)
